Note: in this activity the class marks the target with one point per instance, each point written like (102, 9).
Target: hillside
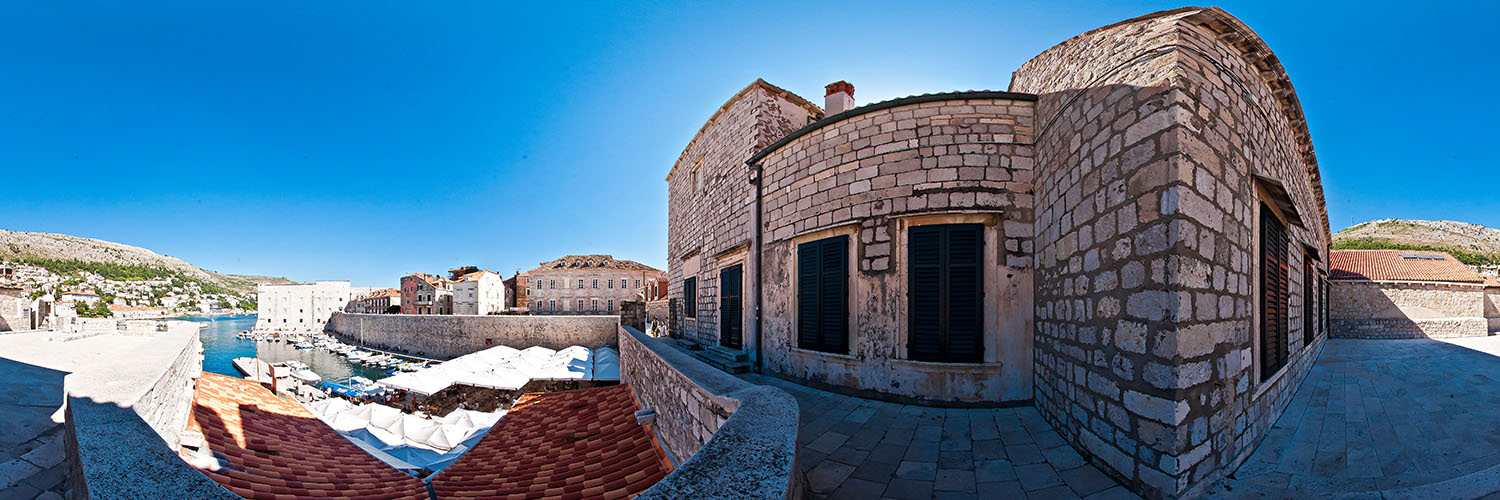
(62, 254)
(1471, 243)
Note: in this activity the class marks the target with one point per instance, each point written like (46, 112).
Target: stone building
(1408, 294)
(426, 294)
(378, 301)
(582, 284)
(299, 307)
(1132, 238)
(479, 293)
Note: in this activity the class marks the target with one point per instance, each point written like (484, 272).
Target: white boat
(306, 375)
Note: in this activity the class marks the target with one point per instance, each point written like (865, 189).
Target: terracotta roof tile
(570, 444)
(1399, 265)
(277, 449)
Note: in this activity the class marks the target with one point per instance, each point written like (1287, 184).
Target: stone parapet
(728, 438)
(1404, 328)
(124, 415)
(446, 336)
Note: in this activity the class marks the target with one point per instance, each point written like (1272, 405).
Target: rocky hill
(61, 253)
(1471, 243)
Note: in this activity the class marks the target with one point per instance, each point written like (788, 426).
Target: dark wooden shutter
(731, 325)
(808, 266)
(833, 295)
(690, 297)
(947, 293)
(925, 272)
(1273, 293)
(823, 295)
(1309, 311)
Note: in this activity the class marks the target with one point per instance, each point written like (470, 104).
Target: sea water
(221, 345)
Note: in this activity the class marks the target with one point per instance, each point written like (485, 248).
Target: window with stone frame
(552, 305)
(690, 297)
(594, 305)
(945, 293)
(610, 284)
(580, 283)
(823, 295)
(623, 283)
(1273, 293)
(580, 305)
(596, 282)
(611, 305)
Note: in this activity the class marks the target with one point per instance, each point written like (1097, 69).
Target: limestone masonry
(1132, 238)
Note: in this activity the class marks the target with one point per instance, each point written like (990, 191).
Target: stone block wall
(710, 201)
(1404, 328)
(1409, 300)
(444, 336)
(728, 438)
(1147, 250)
(947, 158)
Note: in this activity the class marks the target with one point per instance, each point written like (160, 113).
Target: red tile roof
(279, 450)
(570, 444)
(1399, 265)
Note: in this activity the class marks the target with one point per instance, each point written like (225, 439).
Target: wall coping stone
(753, 455)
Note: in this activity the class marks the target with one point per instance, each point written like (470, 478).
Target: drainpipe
(755, 249)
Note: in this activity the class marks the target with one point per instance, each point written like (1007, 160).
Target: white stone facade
(480, 293)
(302, 307)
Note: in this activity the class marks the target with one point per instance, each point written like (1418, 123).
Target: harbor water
(221, 345)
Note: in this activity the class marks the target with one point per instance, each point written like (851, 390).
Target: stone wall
(710, 202)
(1146, 238)
(1404, 310)
(124, 416)
(444, 336)
(872, 175)
(728, 438)
(1411, 300)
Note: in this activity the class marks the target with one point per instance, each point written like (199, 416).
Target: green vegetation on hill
(110, 271)
(1467, 257)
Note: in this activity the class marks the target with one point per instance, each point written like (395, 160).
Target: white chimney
(840, 97)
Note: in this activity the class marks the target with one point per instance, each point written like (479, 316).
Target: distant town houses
(478, 293)
(584, 285)
(379, 301)
(37, 295)
(423, 293)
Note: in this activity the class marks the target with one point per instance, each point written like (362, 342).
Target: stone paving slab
(1384, 419)
(858, 448)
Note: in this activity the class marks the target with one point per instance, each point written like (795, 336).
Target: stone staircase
(726, 359)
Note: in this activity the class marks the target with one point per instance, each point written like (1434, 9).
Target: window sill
(821, 354)
(940, 364)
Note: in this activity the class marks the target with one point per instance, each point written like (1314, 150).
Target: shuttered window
(946, 276)
(1273, 293)
(690, 297)
(823, 295)
(1308, 307)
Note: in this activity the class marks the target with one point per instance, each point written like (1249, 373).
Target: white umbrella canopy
(330, 406)
(573, 363)
(504, 377)
(346, 421)
(496, 354)
(536, 355)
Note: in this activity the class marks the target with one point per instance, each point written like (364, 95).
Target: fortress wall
(445, 337)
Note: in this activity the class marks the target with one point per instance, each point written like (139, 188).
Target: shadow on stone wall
(1403, 326)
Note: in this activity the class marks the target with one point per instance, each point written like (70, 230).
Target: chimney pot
(839, 97)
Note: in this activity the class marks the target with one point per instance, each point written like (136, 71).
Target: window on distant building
(637, 283)
(690, 297)
(1273, 293)
(611, 283)
(552, 305)
(823, 295)
(594, 305)
(551, 283)
(611, 305)
(580, 305)
(946, 274)
(538, 283)
(624, 284)
(596, 282)
(580, 284)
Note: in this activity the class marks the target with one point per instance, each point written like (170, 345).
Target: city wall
(124, 417)
(446, 336)
(728, 438)
(1406, 310)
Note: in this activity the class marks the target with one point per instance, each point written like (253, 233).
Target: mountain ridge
(1470, 243)
(58, 251)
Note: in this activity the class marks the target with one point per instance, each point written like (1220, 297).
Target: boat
(301, 371)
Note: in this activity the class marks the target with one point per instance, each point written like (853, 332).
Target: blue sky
(366, 140)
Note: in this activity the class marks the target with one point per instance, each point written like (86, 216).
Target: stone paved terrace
(853, 448)
(1385, 419)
